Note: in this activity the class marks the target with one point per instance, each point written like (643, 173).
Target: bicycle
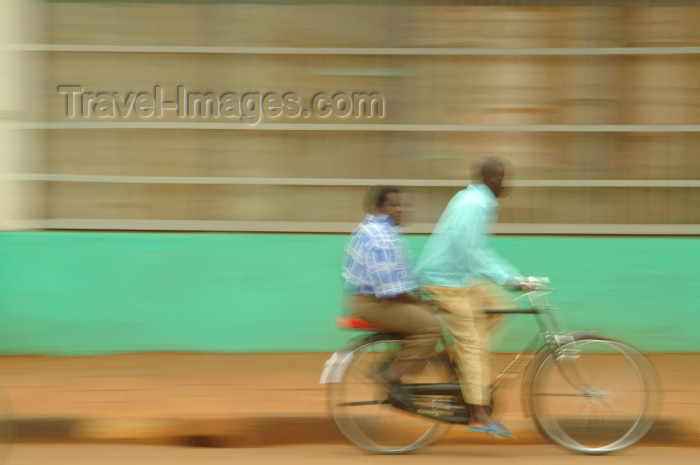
(568, 387)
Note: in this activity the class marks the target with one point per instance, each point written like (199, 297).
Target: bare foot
(480, 416)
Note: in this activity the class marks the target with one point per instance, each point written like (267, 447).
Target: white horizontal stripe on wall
(395, 51)
(39, 177)
(362, 127)
(347, 227)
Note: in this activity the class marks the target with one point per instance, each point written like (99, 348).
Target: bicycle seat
(352, 322)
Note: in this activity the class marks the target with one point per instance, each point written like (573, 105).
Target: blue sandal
(497, 430)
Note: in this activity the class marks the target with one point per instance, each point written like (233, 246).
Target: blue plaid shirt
(376, 262)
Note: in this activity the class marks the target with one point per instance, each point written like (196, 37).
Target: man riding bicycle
(450, 269)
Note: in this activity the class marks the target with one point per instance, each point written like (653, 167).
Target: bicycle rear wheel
(594, 395)
(360, 408)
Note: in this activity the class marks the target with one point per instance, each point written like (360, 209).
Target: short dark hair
(376, 197)
(486, 167)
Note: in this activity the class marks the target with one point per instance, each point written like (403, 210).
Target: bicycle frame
(550, 337)
(552, 333)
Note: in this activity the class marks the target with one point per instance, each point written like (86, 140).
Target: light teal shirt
(458, 252)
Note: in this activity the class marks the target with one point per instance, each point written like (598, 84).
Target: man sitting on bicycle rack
(378, 279)
(455, 258)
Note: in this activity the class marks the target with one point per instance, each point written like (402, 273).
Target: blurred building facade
(595, 106)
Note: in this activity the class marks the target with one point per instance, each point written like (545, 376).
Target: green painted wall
(88, 293)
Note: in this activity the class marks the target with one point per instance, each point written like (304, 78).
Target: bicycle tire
(359, 405)
(594, 395)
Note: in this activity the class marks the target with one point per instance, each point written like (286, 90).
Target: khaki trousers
(421, 329)
(462, 311)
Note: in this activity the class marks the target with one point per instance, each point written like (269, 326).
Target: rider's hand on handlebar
(521, 284)
(513, 284)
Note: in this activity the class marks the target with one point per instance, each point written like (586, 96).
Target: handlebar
(533, 283)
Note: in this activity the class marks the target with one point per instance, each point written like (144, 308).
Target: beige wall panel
(425, 205)
(480, 90)
(217, 74)
(505, 27)
(478, 26)
(662, 27)
(428, 90)
(342, 204)
(189, 202)
(694, 71)
(335, 25)
(253, 154)
(601, 205)
(587, 86)
(483, 26)
(19, 78)
(238, 203)
(367, 155)
(588, 90)
(438, 26)
(590, 27)
(363, 25)
(309, 154)
(661, 90)
(541, 205)
(660, 156)
(517, 90)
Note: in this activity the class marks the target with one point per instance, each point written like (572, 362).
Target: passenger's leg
(422, 331)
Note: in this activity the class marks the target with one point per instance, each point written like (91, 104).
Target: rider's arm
(471, 232)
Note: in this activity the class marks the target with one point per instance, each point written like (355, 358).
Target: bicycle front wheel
(594, 395)
(360, 407)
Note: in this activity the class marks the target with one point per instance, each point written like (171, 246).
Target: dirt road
(244, 400)
(338, 455)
